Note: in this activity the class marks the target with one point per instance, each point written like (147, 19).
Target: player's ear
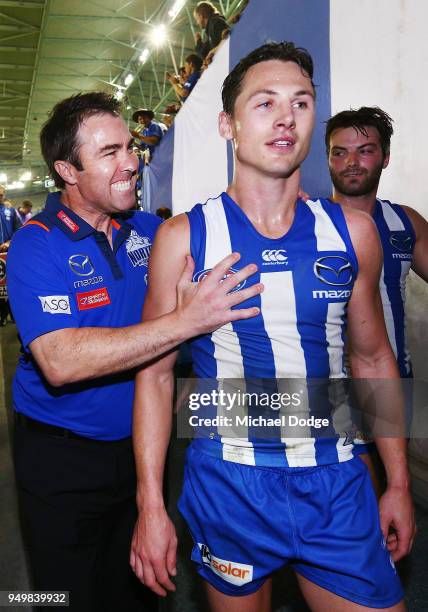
(225, 125)
(385, 161)
(67, 171)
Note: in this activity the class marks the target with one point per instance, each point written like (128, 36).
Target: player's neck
(366, 202)
(268, 202)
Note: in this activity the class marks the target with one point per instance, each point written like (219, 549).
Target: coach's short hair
(58, 138)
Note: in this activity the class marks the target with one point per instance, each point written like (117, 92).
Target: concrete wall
(379, 55)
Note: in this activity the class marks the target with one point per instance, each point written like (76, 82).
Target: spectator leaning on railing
(209, 19)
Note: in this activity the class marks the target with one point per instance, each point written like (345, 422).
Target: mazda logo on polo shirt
(81, 265)
(333, 270)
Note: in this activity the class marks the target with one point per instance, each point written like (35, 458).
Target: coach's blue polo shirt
(62, 273)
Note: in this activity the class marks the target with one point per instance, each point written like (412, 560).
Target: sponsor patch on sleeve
(93, 299)
(55, 304)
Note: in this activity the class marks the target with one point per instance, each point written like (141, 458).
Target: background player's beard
(363, 186)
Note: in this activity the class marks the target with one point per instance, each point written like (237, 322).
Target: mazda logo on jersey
(81, 265)
(402, 242)
(334, 270)
(202, 275)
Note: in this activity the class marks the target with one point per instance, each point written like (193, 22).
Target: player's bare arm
(153, 550)
(371, 357)
(70, 355)
(420, 252)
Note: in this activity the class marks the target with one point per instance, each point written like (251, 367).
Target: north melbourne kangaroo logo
(138, 249)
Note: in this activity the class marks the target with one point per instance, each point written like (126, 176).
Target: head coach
(78, 311)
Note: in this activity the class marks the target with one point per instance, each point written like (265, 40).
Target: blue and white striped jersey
(308, 276)
(398, 240)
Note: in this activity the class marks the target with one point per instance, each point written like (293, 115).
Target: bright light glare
(3, 178)
(144, 55)
(158, 35)
(16, 185)
(176, 8)
(26, 176)
(128, 79)
(119, 94)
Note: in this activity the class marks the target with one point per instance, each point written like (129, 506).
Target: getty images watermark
(272, 408)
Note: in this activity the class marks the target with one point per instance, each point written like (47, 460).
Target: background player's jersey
(398, 240)
(308, 276)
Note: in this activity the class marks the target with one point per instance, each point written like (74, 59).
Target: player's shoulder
(406, 213)
(355, 219)
(174, 228)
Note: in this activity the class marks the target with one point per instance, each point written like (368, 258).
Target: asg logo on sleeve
(55, 304)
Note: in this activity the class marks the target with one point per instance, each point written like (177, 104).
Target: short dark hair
(365, 116)
(195, 60)
(58, 138)
(283, 51)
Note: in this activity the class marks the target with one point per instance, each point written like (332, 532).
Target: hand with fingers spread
(397, 513)
(207, 305)
(154, 550)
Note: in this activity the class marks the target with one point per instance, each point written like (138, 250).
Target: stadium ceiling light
(26, 176)
(3, 178)
(128, 79)
(119, 94)
(176, 8)
(144, 55)
(158, 35)
(16, 185)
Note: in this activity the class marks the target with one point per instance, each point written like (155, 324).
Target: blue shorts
(247, 522)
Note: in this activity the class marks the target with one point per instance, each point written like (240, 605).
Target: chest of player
(397, 249)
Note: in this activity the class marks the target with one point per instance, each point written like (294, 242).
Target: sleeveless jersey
(308, 275)
(398, 240)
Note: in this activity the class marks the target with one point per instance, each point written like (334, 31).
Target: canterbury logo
(275, 256)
